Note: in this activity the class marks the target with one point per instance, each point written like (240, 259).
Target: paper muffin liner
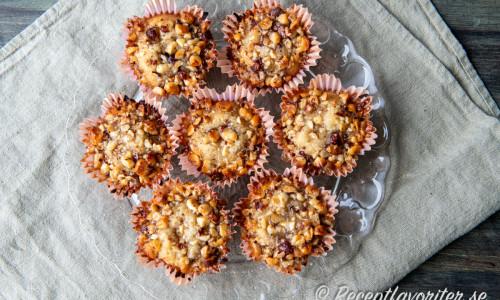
(299, 175)
(173, 272)
(231, 23)
(153, 8)
(331, 83)
(232, 93)
(114, 100)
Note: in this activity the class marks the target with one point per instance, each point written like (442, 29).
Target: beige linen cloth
(62, 236)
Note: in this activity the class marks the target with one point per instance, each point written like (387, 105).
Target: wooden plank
(476, 24)
(17, 15)
(470, 263)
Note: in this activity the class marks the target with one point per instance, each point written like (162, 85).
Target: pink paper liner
(232, 93)
(331, 83)
(231, 23)
(153, 8)
(299, 175)
(114, 100)
(173, 272)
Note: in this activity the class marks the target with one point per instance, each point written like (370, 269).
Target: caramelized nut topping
(283, 220)
(185, 227)
(131, 145)
(268, 47)
(223, 139)
(323, 130)
(170, 53)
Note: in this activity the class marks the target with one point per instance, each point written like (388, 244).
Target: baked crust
(285, 220)
(130, 146)
(323, 131)
(269, 46)
(170, 53)
(183, 227)
(223, 139)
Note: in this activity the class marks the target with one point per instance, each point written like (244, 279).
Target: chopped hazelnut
(190, 130)
(229, 135)
(171, 48)
(237, 37)
(283, 19)
(195, 61)
(303, 44)
(159, 91)
(245, 113)
(172, 88)
(275, 37)
(187, 17)
(214, 135)
(181, 29)
(266, 24)
(194, 159)
(180, 54)
(223, 105)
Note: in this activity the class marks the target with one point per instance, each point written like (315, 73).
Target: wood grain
(476, 24)
(470, 263)
(17, 15)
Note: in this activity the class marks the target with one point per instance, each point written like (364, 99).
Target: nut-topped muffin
(129, 146)
(223, 137)
(323, 130)
(169, 53)
(285, 220)
(269, 46)
(185, 228)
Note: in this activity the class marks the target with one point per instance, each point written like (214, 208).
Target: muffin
(129, 146)
(169, 52)
(269, 47)
(285, 220)
(323, 128)
(224, 136)
(184, 229)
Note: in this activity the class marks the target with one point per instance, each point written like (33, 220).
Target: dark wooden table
(472, 262)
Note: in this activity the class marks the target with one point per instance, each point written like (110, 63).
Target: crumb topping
(130, 145)
(170, 53)
(324, 128)
(284, 221)
(269, 46)
(185, 226)
(225, 138)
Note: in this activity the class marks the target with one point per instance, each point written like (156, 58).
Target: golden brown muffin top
(269, 46)
(323, 129)
(185, 227)
(170, 53)
(130, 145)
(284, 221)
(223, 138)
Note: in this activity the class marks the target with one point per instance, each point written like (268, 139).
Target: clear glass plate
(360, 195)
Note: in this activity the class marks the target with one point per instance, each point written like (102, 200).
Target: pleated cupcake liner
(233, 93)
(154, 8)
(300, 176)
(230, 24)
(111, 101)
(328, 82)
